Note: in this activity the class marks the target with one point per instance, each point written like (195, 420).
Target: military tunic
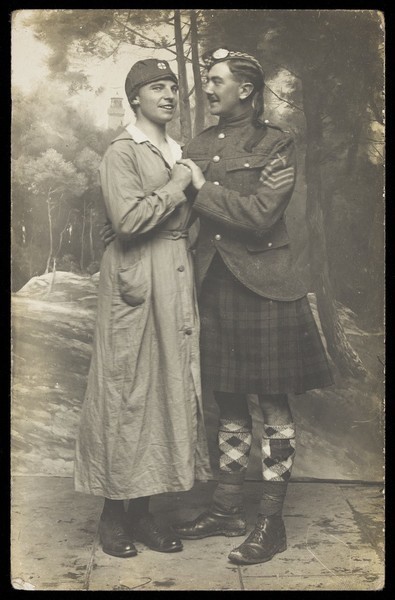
(258, 334)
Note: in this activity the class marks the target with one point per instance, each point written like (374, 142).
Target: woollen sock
(234, 441)
(278, 453)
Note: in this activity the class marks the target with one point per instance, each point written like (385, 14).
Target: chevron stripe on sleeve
(277, 174)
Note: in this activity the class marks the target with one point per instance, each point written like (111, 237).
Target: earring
(135, 102)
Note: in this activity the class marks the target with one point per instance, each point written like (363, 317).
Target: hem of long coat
(135, 493)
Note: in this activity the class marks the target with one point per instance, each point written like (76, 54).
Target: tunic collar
(239, 121)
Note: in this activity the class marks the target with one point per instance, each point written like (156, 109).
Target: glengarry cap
(211, 57)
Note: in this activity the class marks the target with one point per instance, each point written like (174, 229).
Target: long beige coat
(142, 429)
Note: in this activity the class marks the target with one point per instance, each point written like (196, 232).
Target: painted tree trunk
(82, 237)
(353, 149)
(199, 94)
(185, 109)
(339, 348)
(50, 288)
(57, 254)
(373, 315)
(92, 252)
(50, 232)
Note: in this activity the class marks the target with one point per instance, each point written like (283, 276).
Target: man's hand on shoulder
(107, 234)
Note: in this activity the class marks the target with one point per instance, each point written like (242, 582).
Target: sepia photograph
(197, 300)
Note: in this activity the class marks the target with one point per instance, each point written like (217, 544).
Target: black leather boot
(215, 521)
(266, 539)
(156, 536)
(114, 536)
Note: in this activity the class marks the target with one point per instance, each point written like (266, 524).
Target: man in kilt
(258, 334)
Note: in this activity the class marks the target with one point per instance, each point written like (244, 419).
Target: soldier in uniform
(258, 334)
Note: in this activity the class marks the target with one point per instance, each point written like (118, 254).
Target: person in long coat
(142, 430)
(258, 334)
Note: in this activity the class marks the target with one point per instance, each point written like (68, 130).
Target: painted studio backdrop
(324, 74)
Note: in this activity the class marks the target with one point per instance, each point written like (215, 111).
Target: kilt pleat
(254, 345)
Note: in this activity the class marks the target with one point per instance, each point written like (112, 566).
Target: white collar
(140, 137)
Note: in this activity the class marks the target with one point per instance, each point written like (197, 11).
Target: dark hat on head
(146, 71)
(217, 55)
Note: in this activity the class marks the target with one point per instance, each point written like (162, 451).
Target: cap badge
(220, 53)
(161, 65)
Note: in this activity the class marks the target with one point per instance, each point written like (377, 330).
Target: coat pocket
(243, 173)
(246, 162)
(264, 246)
(133, 285)
(269, 241)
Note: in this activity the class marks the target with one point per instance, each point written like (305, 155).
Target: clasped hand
(198, 179)
(194, 175)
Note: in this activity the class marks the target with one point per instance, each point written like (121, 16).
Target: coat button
(216, 158)
(266, 121)
(247, 164)
(221, 136)
(216, 182)
(270, 244)
(188, 331)
(217, 237)
(181, 268)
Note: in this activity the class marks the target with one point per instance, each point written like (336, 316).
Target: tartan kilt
(254, 345)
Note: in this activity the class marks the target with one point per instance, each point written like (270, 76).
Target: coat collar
(131, 132)
(140, 137)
